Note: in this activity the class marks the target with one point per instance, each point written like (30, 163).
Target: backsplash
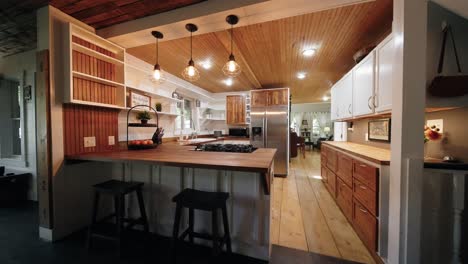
(454, 141)
(358, 135)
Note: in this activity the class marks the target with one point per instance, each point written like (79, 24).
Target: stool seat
(117, 190)
(206, 201)
(201, 200)
(115, 187)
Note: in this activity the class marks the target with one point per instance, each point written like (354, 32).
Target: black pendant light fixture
(231, 68)
(157, 76)
(190, 73)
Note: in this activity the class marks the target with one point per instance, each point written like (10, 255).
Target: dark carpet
(20, 244)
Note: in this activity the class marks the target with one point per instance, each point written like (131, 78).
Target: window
(184, 121)
(11, 145)
(315, 127)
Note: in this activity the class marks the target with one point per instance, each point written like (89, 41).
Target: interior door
(363, 86)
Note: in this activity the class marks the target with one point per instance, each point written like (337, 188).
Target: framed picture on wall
(379, 129)
(138, 99)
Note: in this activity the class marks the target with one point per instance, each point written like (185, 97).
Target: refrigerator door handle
(266, 130)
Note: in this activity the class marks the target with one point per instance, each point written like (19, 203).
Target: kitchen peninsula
(170, 168)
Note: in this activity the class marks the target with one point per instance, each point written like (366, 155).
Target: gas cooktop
(239, 148)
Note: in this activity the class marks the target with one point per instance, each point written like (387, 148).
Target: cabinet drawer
(345, 168)
(365, 225)
(324, 174)
(344, 198)
(331, 183)
(366, 174)
(331, 159)
(366, 196)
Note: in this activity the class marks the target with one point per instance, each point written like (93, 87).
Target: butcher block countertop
(260, 160)
(372, 154)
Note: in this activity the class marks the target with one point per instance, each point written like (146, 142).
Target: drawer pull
(362, 165)
(362, 210)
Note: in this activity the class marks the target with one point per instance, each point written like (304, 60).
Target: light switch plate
(439, 123)
(367, 137)
(89, 142)
(111, 140)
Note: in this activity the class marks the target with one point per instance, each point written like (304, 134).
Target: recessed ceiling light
(325, 98)
(308, 52)
(206, 64)
(228, 82)
(301, 75)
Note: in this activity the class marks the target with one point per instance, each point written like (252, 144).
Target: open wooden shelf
(95, 79)
(151, 112)
(80, 102)
(96, 54)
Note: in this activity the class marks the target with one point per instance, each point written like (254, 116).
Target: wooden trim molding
(43, 139)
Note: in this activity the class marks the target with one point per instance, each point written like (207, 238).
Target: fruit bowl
(141, 144)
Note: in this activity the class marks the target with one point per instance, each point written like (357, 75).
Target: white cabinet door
(383, 90)
(363, 86)
(345, 94)
(334, 104)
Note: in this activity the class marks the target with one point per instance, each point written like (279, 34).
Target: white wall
(310, 107)
(12, 67)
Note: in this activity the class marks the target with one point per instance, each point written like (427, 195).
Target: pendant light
(231, 68)
(158, 75)
(190, 73)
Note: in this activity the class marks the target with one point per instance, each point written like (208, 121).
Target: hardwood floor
(305, 216)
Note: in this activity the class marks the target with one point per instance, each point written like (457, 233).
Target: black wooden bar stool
(206, 201)
(118, 190)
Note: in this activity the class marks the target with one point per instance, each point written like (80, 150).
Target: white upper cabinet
(334, 103)
(363, 86)
(384, 66)
(346, 96)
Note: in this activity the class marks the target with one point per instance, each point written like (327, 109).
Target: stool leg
(227, 234)
(175, 232)
(118, 219)
(93, 219)
(191, 224)
(214, 225)
(141, 203)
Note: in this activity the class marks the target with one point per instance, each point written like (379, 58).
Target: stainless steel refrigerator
(269, 128)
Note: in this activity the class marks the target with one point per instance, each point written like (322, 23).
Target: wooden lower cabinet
(345, 168)
(365, 225)
(344, 198)
(355, 187)
(324, 174)
(367, 174)
(366, 196)
(331, 182)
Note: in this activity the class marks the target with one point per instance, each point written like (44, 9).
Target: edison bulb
(157, 74)
(191, 71)
(232, 66)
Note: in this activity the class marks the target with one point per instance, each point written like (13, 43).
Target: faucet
(193, 135)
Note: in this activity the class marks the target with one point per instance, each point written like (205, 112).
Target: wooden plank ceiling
(18, 18)
(270, 53)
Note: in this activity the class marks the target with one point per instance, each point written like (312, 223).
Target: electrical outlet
(438, 123)
(89, 142)
(111, 140)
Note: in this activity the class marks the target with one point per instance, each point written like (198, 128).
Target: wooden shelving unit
(94, 70)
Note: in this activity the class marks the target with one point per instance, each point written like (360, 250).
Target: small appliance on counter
(239, 132)
(238, 148)
(218, 133)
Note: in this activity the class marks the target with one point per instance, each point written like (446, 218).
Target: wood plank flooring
(305, 216)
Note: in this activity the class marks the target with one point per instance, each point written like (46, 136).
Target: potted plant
(144, 117)
(158, 107)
